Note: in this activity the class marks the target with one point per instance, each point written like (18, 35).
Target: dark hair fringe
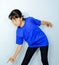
(15, 14)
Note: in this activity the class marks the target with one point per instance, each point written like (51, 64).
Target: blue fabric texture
(31, 33)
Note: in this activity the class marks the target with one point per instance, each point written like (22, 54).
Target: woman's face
(17, 21)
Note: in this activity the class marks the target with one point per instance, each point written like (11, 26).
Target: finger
(8, 60)
(50, 25)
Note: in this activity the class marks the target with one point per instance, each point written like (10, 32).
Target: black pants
(31, 51)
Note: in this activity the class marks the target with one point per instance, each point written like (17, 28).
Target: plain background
(40, 9)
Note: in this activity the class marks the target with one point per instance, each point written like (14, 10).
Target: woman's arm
(48, 24)
(12, 59)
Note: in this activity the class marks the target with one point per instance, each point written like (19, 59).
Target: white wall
(41, 9)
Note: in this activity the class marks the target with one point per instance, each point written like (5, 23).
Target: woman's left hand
(48, 24)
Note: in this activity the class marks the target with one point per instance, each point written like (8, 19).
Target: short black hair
(15, 14)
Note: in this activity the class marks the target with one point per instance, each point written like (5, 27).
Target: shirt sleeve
(36, 21)
(19, 40)
(19, 36)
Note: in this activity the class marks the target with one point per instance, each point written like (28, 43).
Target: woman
(28, 30)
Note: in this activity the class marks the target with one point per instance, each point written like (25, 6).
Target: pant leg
(28, 55)
(44, 55)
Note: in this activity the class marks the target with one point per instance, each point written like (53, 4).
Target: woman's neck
(22, 23)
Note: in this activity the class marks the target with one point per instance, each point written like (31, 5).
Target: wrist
(14, 56)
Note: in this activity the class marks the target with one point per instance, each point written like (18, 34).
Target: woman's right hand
(11, 59)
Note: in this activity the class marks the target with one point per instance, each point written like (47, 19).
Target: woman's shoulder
(29, 17)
